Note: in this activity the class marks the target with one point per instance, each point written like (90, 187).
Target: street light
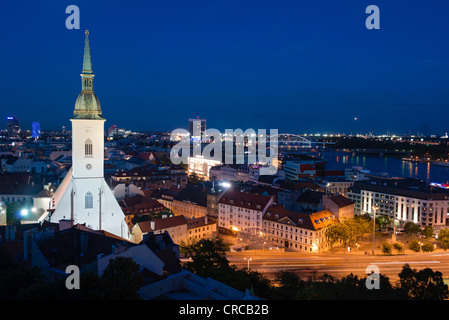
(374, 223)
(357, 254)
(249, 259)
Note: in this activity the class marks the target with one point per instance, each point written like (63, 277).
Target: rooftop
(311, 221)
(245, 200)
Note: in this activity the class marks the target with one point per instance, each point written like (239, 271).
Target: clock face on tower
(88, 166)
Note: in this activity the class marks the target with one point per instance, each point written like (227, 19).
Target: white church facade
(84, 196)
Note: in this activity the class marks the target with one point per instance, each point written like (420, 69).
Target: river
(393, 166)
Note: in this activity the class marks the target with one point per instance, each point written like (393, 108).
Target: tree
(356, 228)
(289, 283)
(411, 228)
(427, 247)
(425, 284)
(347, 231)
(13, 212)
(427, 232)
(414, 246)
(386, 248)
(398, 247)
(335, 233)
(121, 279)
(443, 237)
(383, 221)
(206, 256)
(208, 259)
(194, 178)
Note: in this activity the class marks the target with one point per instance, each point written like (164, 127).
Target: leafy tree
(121, 279)
(443, 237)
(15, 279)
(194, 178)
(206, 255)
(351, 287)
(289, 283)
(427, 232)
(411, 228)
(335, 233)
(427, 247)
(383, 221)
(414, 246)
(356, 228)
(13, 212)
(208, 259)
(425, 284)
(347, 231)
(386, 248)
(398, 247)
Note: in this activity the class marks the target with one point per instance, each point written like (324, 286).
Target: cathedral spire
(87, 105)
(87, 63)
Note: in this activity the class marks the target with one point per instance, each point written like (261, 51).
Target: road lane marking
(404, 262)
(291, 265)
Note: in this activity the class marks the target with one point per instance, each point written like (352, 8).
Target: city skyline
(298, 67)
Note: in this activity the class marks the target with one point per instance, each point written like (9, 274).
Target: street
(337, 264)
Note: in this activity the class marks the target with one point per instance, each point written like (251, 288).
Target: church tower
(84, 196)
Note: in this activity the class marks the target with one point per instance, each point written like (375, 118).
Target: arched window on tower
(88, 149)
(88, 200)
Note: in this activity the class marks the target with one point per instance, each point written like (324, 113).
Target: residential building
(126, 190)
(191, 201)
(336, 185)
(176, 226)
(189, 286)
(242, 211)
(297, 231)
(152, 178)
(230, 172)
(310, 201)
(213, 196)
(200, 228)
(52, 251)
(138, 206)
(340, 206)
(3, 219)
(165, 196)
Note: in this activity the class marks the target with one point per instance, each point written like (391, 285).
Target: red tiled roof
(140, 204)
(198, 222)
(161, 224)
(245, 200)
(341, 201)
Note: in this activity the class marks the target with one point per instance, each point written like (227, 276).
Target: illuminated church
(84, 196)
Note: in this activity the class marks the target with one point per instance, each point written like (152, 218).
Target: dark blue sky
(297, 66)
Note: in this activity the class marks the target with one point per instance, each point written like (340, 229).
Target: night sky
(296, 66)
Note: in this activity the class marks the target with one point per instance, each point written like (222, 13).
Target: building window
(88, 148)
(88, 200)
